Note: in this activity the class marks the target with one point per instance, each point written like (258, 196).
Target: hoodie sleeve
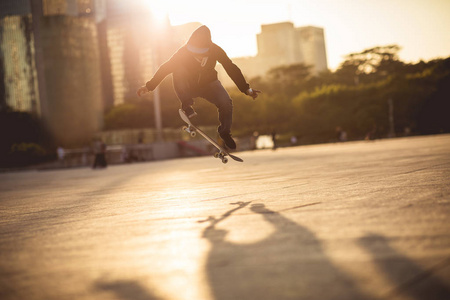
(232, 70)
(165, 69)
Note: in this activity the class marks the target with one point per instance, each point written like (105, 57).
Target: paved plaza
(356, 220)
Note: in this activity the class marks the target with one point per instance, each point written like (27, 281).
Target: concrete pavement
(359, 220)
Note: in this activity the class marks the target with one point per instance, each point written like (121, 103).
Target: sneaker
(229, 142)
(189, 111)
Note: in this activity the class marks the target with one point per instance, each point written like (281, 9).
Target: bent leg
(183, 88)
(216, 94)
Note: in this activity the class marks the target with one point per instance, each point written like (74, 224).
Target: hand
(253, 93)
(142, 90)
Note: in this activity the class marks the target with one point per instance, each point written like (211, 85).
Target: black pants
(214, 92)
(99, 161)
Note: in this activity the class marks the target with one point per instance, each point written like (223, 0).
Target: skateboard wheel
(224, 160)
(193, 133)
(216, 155)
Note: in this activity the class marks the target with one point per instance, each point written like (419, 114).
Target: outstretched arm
(232, 70)
(164, 70)
(236, 74)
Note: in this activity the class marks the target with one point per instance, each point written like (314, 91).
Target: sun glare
(160, 10)
(182, 11)
(179, 11)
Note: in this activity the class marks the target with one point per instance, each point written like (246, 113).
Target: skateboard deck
(192, 130)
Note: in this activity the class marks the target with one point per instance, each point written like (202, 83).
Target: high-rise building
(278, 44)
(69, 63)
(282, 44)
(135, 42)
(18, 78)
(311, 42)
(50, 64)
(123, 47)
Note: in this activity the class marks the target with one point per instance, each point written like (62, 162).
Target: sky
(420, 27)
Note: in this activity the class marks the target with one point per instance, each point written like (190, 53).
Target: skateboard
(192, 130)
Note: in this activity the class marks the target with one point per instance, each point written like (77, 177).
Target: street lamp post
(157, 95)
(391, 118)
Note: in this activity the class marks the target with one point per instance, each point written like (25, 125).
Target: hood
(200, 40)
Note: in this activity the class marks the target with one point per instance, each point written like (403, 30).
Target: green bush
(23, 154)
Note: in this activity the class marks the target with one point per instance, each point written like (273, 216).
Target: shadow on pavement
(410, 279)
(288, 264)
(126, 290)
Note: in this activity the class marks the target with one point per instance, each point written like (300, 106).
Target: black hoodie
(198, 74)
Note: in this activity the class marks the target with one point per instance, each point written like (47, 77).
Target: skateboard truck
(191, 130)
(221, 155)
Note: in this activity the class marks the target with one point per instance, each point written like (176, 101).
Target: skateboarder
(192, 68)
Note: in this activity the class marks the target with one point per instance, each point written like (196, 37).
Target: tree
(288, 80)
(370, 65)
(130, 115)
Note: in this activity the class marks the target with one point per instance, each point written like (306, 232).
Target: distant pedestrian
(61, 155)
(343, 136)
(338, 133)
(274, 140)
(84, 157)
(253, 140)
(370, 136)
(407, 131)
(100, 154)
(294, 140)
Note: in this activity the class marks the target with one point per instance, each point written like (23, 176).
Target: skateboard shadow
(409, 278)
(288, 264)
(125, 290)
